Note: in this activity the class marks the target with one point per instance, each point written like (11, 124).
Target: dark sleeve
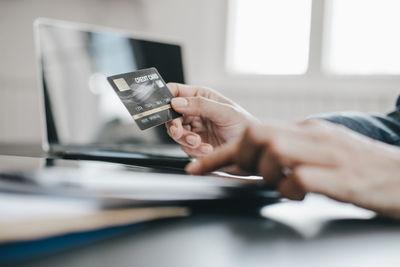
(385, 128)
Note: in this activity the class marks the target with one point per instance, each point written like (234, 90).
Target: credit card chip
(121, 84)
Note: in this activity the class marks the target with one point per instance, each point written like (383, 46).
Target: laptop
(82, 116)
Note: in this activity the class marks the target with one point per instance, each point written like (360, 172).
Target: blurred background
(280, 59)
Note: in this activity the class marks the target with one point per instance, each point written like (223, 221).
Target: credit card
(146, 97)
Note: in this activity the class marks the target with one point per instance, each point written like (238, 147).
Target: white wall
(201, 25)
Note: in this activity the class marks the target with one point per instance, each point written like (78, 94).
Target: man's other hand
(316, 156)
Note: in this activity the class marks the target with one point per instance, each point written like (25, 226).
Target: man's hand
(319, 157)
(209, 119)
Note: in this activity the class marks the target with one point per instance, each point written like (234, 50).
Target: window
(269, 36)
(362, 37)
(348, 37)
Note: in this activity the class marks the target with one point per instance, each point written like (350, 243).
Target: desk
(316, 232)
(242, 241)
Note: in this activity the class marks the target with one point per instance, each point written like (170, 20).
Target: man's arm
(379, 127)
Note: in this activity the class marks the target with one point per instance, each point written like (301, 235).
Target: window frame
(315, 77)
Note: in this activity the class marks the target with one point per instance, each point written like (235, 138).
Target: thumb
(222, 157)
(203, 107)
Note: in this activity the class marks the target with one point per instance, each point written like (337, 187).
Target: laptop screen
(80, 106)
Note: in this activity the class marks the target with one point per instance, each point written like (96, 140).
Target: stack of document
(33, 217)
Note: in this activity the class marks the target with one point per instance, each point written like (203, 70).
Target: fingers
(200, 106)
(175, 128)
(221, 157)
(183, 90)
(176, 89)
(294, 145)
(250, 148)
(321, 180)
(245, 154)
(289, 188)
(269, 168)
(202, 150)
(192, 107)
(184, 137)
